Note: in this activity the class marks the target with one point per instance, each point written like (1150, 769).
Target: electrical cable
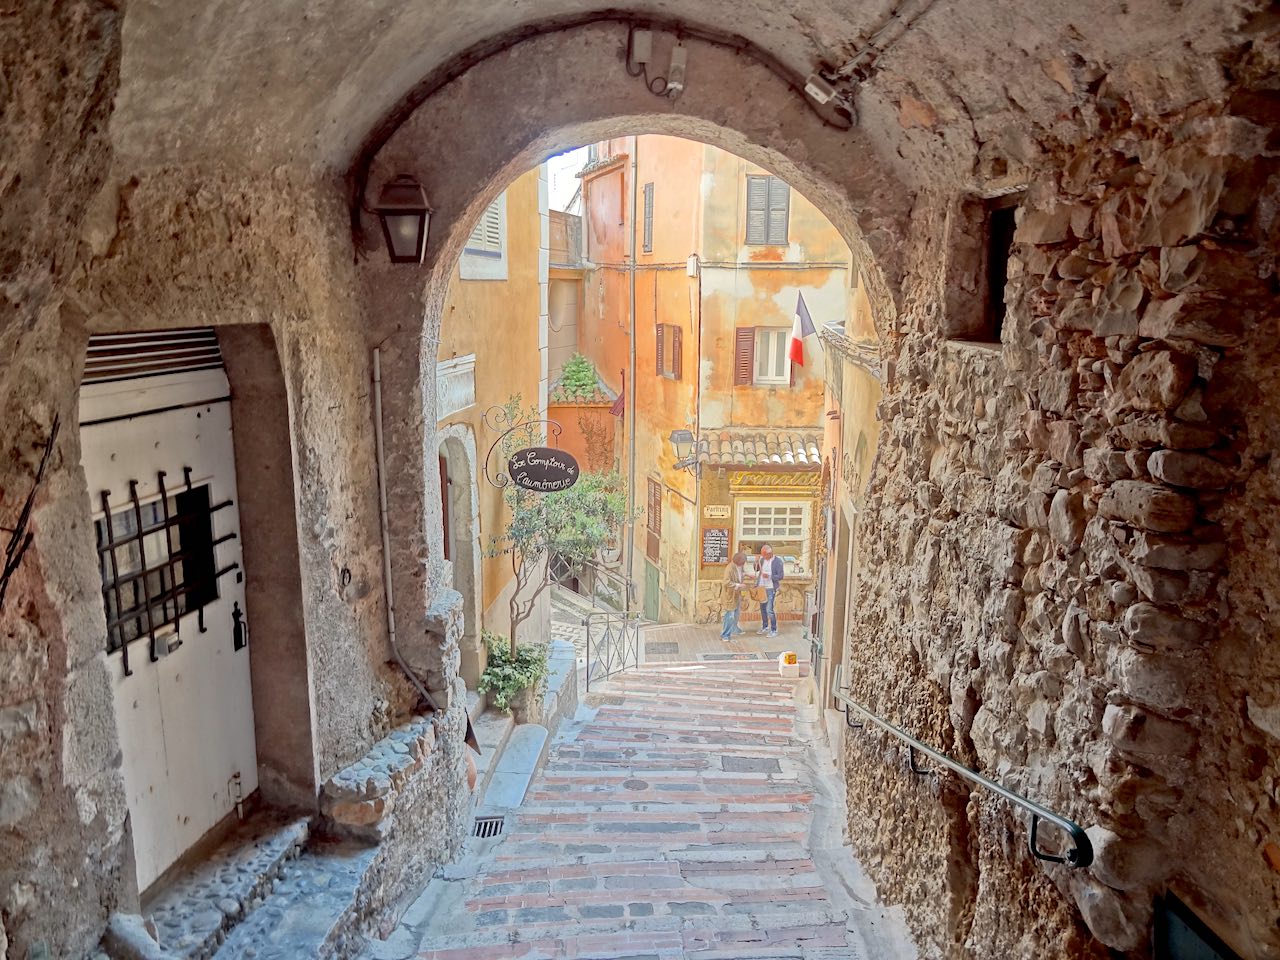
(853, 67)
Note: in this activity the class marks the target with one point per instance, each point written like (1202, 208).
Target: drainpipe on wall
(386, 536)
(635, 393)
(696, 547)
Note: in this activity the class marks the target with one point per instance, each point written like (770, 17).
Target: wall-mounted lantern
(683, 443)
(402, 208)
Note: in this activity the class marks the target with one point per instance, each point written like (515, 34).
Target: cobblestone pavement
(682, 814)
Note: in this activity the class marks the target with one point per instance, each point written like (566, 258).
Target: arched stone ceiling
(261, 84)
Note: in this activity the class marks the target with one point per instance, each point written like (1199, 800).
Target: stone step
(195, 912)
(493, 730)
(313, 910)
(489, 931)
(515, 768)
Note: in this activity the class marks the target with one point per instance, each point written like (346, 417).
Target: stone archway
(573, 91)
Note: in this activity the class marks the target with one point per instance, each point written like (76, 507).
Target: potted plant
(515, 680)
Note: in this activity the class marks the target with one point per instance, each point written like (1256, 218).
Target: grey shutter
(744, 356)
(779, 210)
(648, 218)
(757, 209)
(660, 330)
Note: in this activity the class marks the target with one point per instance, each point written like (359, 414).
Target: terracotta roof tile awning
(799, 449)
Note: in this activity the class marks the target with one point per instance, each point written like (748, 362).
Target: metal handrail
(624, 617)
(1081, 854)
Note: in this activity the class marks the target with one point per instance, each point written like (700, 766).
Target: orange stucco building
(721, 250)
(493, 345)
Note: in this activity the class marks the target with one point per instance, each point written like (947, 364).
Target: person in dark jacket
(769, 573)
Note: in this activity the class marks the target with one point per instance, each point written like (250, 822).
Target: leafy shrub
(506, 676)
(578, 380)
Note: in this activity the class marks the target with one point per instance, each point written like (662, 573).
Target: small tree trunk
(513, 608)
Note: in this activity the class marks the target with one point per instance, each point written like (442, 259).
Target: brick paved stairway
(679, 815)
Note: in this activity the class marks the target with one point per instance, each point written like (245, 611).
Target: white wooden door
(185, 718)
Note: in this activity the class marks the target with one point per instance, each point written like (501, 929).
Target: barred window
(157, 563)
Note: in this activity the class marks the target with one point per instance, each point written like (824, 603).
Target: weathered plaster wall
(190, 248)
(1056, 540)
(63, 860)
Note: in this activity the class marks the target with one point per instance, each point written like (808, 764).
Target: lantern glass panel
(403, 229)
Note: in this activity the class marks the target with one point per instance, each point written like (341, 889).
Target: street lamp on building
(402, 208)
(684, 443)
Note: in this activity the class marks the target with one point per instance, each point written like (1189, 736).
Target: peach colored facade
(493, 344)
(700, 289)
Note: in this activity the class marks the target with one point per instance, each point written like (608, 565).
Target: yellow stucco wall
(498, 321)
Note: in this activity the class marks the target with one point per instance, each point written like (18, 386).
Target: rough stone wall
(424, 825)
(62, 818)
(179, 248)
(1068, 575)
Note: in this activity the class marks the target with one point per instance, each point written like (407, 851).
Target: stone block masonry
(357, 802)
(1116, 452)
(408, 796)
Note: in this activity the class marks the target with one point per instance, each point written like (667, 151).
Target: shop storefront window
(784, 524)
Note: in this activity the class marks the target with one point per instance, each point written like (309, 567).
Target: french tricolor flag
(803, 327)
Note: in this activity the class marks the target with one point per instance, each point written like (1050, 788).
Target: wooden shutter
(779, 210)
(757, 209)
(660, 337)
(744, 356)
(677, 352)
(487, 235)
(648, 218)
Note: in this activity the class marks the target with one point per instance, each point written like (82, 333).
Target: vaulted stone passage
(1068, 576)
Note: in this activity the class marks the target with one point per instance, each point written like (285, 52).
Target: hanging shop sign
(543, 469)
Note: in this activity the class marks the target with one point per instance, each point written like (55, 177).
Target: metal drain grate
(487, 827)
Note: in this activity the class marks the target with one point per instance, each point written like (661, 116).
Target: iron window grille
(157, 561)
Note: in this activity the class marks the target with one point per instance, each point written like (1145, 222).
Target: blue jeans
(768, 617)
(730, 622)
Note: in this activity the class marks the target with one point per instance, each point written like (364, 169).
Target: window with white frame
(772, 365)
(783, 524)
(484, 257)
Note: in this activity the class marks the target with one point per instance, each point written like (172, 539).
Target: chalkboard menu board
(715, 545)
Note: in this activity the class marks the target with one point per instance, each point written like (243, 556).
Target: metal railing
(1081, 853)
(615, 636)
(605, 588)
